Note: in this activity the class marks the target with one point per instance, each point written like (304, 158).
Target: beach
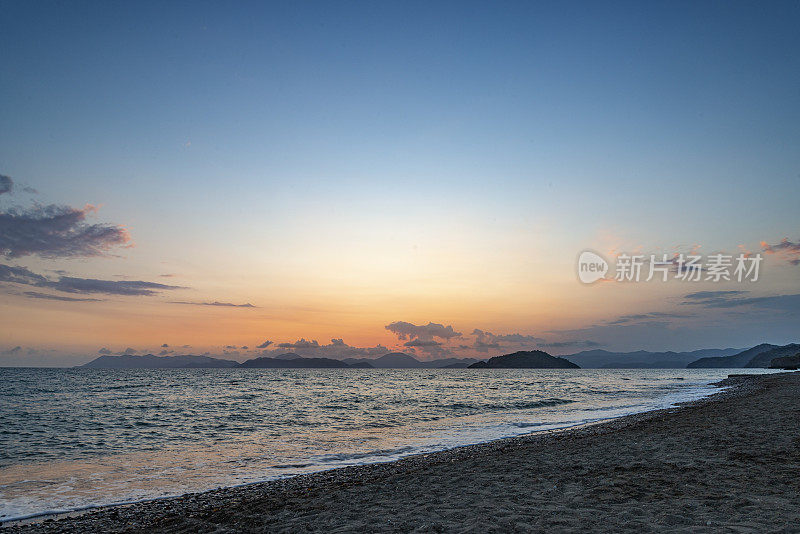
(728, 462)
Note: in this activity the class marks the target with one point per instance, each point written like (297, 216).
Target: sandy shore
(730, 461)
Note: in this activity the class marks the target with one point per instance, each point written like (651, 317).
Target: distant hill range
(289, 360)
(641, 359)
(150, 361)
(760, 356)
(534, 359)
(401, 360)
(294, 363)
(189, 361)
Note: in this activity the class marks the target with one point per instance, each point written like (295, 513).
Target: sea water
(77, 438)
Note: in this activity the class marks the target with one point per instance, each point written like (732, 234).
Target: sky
(345, 179)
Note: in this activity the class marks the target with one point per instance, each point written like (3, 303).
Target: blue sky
(302, 152)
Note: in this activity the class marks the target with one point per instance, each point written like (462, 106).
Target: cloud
(104, 350)
(786, 250)
(716, 299)
(215, 303)
(14, 350)
(70, 284)
(37, 295)
(21, 275)
(57, 232)
(404, 331)
(703, 295)
(128, 352)
(265, 344)
(6, 184)
(487, 340)
(734, 299)
(422, 337)
(299, 344)
(571, 343)
(639, 317)
(164, 346)
(336, 349)
(421, 344)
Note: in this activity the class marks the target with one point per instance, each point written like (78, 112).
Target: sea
(73, 439)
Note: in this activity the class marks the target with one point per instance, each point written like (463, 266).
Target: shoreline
(38, 517)
(178, 510)
(56, 515)
(670, 401)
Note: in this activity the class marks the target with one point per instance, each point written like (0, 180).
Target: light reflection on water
(76, 437)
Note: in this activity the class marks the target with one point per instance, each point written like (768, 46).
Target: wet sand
(727, 463)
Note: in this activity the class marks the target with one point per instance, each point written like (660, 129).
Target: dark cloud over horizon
(299, 344)
(423, 337)
(404, 330)
(336, 349)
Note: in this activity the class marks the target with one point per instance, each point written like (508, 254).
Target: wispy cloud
(735, 299)
(571, 343)
(640, 317)
(788, 250)
(215, 303)
(70, 284)
(37, 295)
(21, 275)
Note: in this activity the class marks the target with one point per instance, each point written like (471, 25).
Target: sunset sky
(346, 179)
